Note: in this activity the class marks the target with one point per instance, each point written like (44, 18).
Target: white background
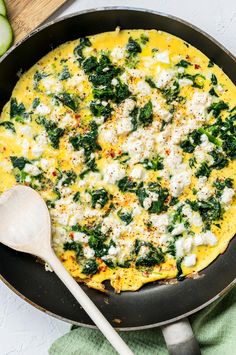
(23, 329)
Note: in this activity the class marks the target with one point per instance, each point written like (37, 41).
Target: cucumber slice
(6, 35)
(3, 10)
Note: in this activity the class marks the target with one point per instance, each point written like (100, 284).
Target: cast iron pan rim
(227, 52)
(150, 326)
(111, 8)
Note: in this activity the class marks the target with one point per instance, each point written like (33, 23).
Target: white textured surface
(23, 329)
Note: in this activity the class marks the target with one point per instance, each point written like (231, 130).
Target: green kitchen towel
(214, 328)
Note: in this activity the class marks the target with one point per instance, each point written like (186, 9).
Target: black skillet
(153, 305)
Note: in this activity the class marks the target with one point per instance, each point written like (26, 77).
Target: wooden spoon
(25, 226)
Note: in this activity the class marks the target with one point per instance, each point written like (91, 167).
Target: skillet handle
(180, 339)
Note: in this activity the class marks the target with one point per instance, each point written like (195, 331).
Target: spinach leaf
(17, 111)
(210, 64)
(78, 51)
(212, 92)
(183, 63)
(67, 177)
(91, 166)
(150, 82)
(210, 210)
(144, 39)
(217, 107)
(19, 162)
(35, 103)
(154, 256)
(89, 64)
(193, 139)
(154, 164)
(214, 80)
(125, 216)
(179, 276)
(220, 161)
(203, 170)
(133, 47)
(68, 100)
(76, 197)
(99, 197)
(75, 246)
(87, 141)
(65, 74)
(99, 110)
(146, 114)
(38, 76)
(126, 185)
(91, 267)
(8, 125)
(54, 133)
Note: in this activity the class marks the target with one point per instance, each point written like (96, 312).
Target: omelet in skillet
(129, 136)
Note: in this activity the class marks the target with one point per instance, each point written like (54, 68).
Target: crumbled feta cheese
(143, 88)
(178, 229)
(88, 252)
(193, 217)
(37, 150)
(179, 181)
(107, 134)
(227, 195)
(26, 130)
(113, 251)
(204, 193)
(185, 82)
(164, 238)
(161, 112)
(113, 172)
(179, 246)
(25, 147)
(188, 243)
(163, 57)
(117, 53)
(140, 145)
(207, 238)
(152, 196)
(164, 78)
(114, 82)
(43, 109)
(80, 237)
(160, 221)
(32, 169)
(51, 85)
(199, 104)
(124, 126)
(67, 121)
(190, 260)
(137, 172)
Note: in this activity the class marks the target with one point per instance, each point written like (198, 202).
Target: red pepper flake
(77, 117)
(145, 273)
(187, 56)
(71, 235)
(167, 151)
(54, 173)
(112, 153)
(197, 66)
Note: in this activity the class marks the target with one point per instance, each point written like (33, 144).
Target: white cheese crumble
(164, 78)
(163, 57)
(32, 169)
(80, 237)
(160, 221)
(43, 109)
(124, 126)
(227, 195)
(142, 88)
(185, 82)
(179, 181)
(199, 105)
(206, 238)
(113, 172)
(178, 229)
(137, 172)
(107, 134)
(117, 53)
(190, 260)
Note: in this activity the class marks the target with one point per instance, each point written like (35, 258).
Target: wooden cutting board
(26, 15)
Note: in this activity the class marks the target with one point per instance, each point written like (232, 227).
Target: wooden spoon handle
(89, 307)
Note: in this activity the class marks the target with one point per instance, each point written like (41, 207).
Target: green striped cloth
(214, 327)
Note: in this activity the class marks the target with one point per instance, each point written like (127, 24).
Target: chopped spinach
(19, 162)
(126, 217)
(76, 197)
(38, 76)
(35, 103)
(144, 38)
(194, 138)
(154, 256)
(214, 80)
(87, 141)
(126, 184)
(210, 64)
(183, 63)
(210, 210)
(212, 92)
(17, 111)
(75, 246)
(146, 114)
(220, 160)
(154, 164)
(217, 107)
(67, 177)
(78, 51)
(8, 125)
(150, 82)
(220, 184)
(133, 47)
(89, 64)
(65, 74)
(68, 100)
(179, 276)
(99, 197)
(99, 110)
(54, 133)
(203, 170)
(91, 267)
